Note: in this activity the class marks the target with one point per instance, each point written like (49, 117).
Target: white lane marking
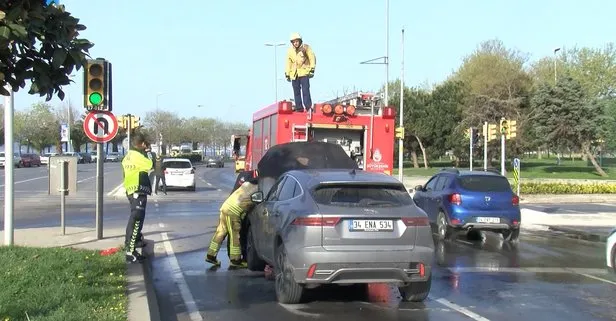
(527, 270)
(598, 278)
(461, 309)
(85, 179)
(209, 184)
(113, 191)
(187, 297)
(295, 309)
(27, 180)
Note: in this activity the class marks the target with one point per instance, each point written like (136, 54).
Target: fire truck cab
(357, 122)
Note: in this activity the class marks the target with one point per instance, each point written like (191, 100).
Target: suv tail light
(515, 200)
(455, 199)
(415, 221)
(316, 221)
(166, 172)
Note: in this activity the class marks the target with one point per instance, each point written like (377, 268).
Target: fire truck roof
(303, 155)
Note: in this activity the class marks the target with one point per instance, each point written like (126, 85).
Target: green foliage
(194, 158)
(39, 43)
(61, 284)
(564, 188)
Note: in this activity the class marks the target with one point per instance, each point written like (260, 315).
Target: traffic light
(504, 127)
(475, 134)
(512, 129)
(122, 122)
(97, 85)
(400, 132)
(492, 132)
(134, 122)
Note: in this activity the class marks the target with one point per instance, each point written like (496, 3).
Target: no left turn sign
(100, 126)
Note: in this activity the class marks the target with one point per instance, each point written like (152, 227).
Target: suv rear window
(373, 195)
(484, 183)
(176, 164)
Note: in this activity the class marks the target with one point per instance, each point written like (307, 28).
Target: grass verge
(53, 284)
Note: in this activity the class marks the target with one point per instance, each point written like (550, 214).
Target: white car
(179, 172)
(610, 251)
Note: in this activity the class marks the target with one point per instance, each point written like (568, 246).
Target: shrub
(566, 188)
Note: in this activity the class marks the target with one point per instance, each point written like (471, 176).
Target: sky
(209, 59)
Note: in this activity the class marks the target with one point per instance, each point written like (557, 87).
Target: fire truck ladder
(300, 133)
(357, 99)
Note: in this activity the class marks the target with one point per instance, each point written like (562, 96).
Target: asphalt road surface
(547, 277)
(33, 182)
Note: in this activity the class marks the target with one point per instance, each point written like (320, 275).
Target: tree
(39, 43)
(42, 126)
(566, 117)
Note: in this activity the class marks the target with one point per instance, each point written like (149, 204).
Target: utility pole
(385, 58)
(9, 166)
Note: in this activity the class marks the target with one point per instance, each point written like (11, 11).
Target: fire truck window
(287, 190)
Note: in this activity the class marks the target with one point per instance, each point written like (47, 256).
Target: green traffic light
(95, 98)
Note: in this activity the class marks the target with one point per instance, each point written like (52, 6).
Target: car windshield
(177, 164)
(373, 195)
(484, 183)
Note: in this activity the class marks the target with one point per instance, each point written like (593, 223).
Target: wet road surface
(545, 277)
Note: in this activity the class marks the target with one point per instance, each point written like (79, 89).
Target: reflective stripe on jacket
(239, 202)
(300, 61)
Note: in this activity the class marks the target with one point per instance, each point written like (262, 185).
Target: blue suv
(461, 201)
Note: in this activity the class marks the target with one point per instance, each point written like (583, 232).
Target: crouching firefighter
(232, 212)
(136, 168)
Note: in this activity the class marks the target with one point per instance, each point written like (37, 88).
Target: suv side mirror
(257, 197)
(419, 188)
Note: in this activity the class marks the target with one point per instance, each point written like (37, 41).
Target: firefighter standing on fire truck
(232, 212)
(299, 68)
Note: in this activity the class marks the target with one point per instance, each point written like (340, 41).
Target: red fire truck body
(365, 131)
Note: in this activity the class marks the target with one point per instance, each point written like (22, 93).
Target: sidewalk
(594, 227)
(142, 304)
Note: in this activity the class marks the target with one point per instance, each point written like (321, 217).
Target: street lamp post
(275, 45)
(555, 78)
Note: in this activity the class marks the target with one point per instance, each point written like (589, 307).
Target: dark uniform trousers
(135, 222)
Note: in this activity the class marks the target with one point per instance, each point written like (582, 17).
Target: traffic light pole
(470, 148)
(99, 190)
(401, 141)
(503, 154)
(129, 124)
(485, 146)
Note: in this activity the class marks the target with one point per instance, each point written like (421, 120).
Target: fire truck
(358, 122)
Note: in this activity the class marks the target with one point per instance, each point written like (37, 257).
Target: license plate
(488, 220)
(371, 225)
(176, 173)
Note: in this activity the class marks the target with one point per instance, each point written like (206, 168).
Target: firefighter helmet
(296, 36)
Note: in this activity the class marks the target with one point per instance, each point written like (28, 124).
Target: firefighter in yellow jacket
(299, 68)
(232, 212)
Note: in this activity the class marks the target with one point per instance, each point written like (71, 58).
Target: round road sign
(100, 126)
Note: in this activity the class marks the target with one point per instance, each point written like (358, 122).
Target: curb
(579, 234)
(142, 301)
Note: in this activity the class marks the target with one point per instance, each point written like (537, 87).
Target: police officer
(232, 212)
(136, 166)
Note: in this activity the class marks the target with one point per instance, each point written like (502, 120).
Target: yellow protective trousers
(229, 223)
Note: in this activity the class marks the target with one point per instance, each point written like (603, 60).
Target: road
(547, 277)
(34, 181)
(35, 208)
